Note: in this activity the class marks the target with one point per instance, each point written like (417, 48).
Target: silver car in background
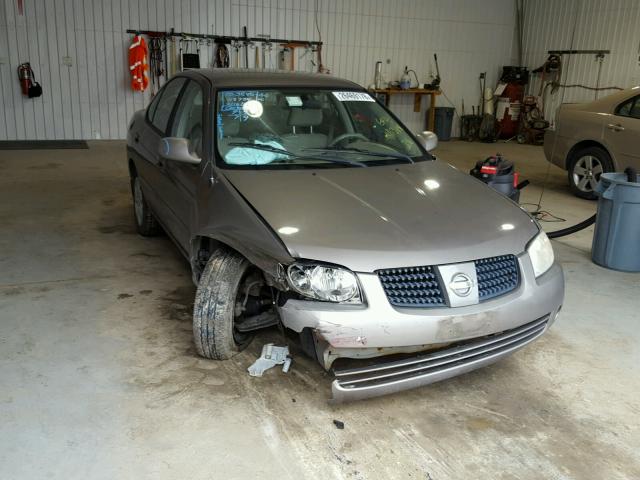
(596, 137)
(300, 200)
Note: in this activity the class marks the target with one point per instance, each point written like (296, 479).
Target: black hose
(574, 228)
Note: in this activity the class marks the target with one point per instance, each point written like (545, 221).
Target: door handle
(615, 127)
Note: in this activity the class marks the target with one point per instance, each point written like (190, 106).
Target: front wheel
(585, 167)
(214, 314)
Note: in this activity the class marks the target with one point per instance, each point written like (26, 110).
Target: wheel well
(584, 144)
(201, 249)
(132, 169)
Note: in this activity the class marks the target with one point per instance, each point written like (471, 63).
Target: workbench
(417, 100)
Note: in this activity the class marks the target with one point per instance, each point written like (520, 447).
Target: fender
(225, 216)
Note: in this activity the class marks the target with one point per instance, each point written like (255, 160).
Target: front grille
(420, 287)
(497, 276)
(412, 287)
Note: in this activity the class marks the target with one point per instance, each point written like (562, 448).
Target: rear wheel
(145, 221)
(585, 167)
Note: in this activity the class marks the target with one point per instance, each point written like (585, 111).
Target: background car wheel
(585, 167)
(214, 312)
(145, 221)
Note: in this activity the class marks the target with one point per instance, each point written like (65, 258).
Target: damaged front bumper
(462, 338)
(390, 377)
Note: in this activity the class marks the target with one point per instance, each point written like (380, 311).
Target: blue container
(443, 123)
(616, 240)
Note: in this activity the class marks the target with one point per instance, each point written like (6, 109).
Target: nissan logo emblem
(461, 284)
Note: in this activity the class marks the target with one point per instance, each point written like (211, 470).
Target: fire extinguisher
(24, 75)
(28, 84)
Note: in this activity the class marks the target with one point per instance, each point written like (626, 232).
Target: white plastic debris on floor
(270, 357)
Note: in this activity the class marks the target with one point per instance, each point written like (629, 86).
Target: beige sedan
(596, 137)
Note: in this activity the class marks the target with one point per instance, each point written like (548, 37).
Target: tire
(584, 170)
(146, 224)
(214, 311)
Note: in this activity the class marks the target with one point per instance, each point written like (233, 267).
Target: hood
(390, 216)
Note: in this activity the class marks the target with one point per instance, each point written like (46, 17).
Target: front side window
(187, 122)
(301, 128)
(162, 112)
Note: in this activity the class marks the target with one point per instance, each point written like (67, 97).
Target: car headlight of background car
(324, 282)
(541, 254)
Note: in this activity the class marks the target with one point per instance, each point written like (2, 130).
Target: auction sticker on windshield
(353, 97)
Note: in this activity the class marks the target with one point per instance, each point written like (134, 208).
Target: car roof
(252, 78)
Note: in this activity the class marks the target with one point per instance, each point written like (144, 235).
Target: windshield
(298, 128)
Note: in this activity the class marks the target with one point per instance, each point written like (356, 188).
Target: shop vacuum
(500, 174)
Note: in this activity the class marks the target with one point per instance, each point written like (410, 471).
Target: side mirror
(177, 149)
(428, 140)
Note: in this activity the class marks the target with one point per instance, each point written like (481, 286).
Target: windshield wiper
(325, 159)
(269, 148)
(261, 146)
(362, 151)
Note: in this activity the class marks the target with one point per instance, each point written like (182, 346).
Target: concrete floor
(99, 377)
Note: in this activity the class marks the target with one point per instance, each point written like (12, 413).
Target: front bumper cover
(391, 377)
(377, 325)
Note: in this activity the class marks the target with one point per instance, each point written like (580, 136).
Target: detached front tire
(584, 170)
(214, 333)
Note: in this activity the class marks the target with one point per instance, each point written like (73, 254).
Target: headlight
(330, 284)
(541, 254)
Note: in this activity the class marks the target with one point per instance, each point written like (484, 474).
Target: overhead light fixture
(507, 226)
(253, 108)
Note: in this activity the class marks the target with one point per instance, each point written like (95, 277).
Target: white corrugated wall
(92, 98)
(583, 25)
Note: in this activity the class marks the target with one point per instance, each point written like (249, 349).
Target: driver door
(154, 169)
(182, 178)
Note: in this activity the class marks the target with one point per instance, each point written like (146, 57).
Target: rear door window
(162, 113)
(630, 108)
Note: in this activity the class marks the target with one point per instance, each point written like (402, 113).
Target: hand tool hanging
(157, 51)
(256, 60)
(138, 64)
(221, 59)
(246, 46)
(236, 53)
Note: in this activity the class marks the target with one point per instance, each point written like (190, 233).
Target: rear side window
(160, 111)
(630, 108)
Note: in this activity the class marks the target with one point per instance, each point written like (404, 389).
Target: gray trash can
(443, 123)
(616, 240)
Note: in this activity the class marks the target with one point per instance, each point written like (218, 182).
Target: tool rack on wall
(244, 40)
